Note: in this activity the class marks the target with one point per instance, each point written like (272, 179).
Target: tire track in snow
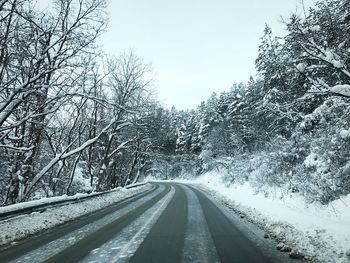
(165, 240)
(94, 240)
(56, 246)
(152, 215)
(199, 246)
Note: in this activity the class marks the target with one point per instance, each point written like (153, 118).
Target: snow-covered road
(171, 222)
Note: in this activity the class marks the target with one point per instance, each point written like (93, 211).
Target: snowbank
(55, 199)
(42, 201)
(20, 227)
(319, 232)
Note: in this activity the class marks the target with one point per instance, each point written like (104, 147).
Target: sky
(195, 47)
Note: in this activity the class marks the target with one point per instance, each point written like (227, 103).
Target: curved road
(169, 223)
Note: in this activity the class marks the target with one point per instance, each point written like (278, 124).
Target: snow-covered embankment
(20, 227)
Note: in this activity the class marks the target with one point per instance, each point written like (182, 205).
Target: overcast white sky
(195, 46)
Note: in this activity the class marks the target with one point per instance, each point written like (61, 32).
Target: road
(170, 223)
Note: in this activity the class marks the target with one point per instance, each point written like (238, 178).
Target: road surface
(170, 223)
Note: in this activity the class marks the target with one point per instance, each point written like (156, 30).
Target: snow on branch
(101, 101)
(120, 147)
(325, 55)
(19, 149)
(342, 90)
(64, 155)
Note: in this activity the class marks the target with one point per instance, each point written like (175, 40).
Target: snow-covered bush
(314, 161)
(324, 174)
(81, 181)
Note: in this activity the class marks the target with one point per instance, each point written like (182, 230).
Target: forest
(74, 119)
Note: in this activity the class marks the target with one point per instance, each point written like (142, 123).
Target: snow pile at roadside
(42, 201)
(320, 232)
(54, 199)
(19, 227)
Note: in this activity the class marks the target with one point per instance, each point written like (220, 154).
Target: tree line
(288, 128)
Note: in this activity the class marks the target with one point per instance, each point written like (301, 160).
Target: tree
(38, 50)
(323, 40)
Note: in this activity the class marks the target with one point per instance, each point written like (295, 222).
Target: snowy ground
(321, 233)
(19, 227)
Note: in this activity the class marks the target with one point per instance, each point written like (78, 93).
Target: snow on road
(123, 246)
(321, 233)
(25, 225)
(44, 252)
(318, 231)
(199, 246)
(150, 217)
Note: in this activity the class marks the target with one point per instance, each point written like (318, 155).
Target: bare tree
(37, 54)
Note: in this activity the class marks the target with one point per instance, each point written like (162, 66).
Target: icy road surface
(171, 223)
